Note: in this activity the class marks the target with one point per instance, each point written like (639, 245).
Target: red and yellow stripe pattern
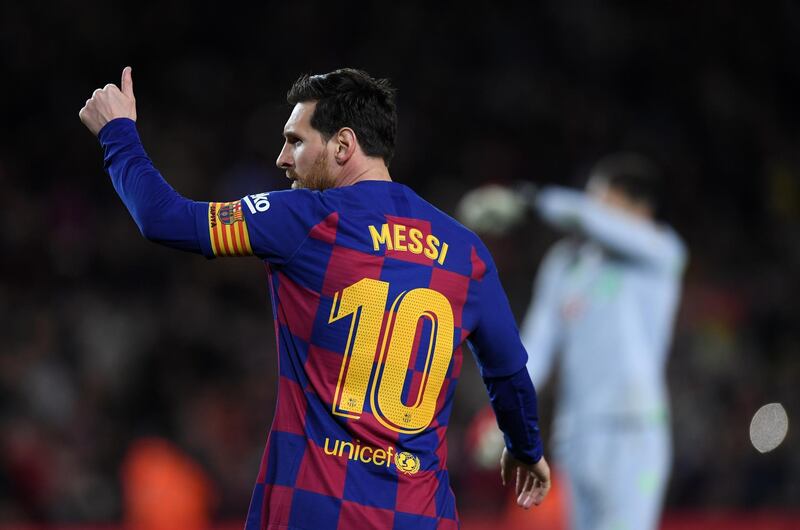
(228, 229)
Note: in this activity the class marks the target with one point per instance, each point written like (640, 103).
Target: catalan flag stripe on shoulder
(228, 229)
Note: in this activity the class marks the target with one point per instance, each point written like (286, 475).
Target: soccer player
(605, 300)
(375, 293)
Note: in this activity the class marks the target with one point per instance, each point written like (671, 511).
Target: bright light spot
(769, 427)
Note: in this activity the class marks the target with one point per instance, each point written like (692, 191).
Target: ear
(345, 145)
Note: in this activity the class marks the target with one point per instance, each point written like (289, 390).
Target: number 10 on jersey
(365, 301)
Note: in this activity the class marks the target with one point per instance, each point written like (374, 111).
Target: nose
(284, 160)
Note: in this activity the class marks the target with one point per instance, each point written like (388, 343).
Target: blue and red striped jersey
(375, 294)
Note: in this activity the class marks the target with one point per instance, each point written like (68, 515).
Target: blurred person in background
(164, 488)
(342, 243)
(605, 299)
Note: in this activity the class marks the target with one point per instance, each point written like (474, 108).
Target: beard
(317, 178)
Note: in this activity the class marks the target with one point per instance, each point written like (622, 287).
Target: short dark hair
(351, 98)
(632, 173)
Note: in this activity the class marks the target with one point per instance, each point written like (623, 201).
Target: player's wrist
(117, 128)
(529, 455)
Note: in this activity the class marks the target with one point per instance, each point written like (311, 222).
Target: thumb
(127, 81)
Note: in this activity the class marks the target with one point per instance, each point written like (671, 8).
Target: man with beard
(602, 313)
(375, 293)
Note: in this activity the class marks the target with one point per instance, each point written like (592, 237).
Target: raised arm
(624, 234)
(161, 213)
(269, 225)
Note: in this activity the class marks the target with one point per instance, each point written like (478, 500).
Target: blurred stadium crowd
(107, 339)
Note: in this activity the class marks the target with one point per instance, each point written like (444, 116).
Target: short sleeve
(270, 225)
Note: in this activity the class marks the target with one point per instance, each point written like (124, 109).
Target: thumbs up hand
(108, 103)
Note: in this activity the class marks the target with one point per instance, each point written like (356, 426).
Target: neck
(377, 171)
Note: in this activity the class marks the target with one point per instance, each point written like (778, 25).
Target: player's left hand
(110, 102)
(533, 480)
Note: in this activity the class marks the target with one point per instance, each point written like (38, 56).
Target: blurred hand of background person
(109, 103)
(493, 209)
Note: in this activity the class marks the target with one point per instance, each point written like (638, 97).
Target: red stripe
(240, 228)
(215, 235)
(237, 243)
(237, 250)
(226, 241)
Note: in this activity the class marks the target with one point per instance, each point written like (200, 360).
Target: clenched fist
(108, 103)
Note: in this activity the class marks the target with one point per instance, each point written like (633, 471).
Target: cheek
(301, 157)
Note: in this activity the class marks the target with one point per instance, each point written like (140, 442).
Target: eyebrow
(289, 134)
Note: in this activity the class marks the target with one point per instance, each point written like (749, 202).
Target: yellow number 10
(366, 301)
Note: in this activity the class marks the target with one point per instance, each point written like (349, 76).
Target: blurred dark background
(106, 339)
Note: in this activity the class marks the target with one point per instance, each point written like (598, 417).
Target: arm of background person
(633, 238)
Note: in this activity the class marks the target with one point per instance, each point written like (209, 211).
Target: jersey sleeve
(162, 214)
(624, 234)
(270, 225)
(514, 401)
(501, 358)
(495, 340)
